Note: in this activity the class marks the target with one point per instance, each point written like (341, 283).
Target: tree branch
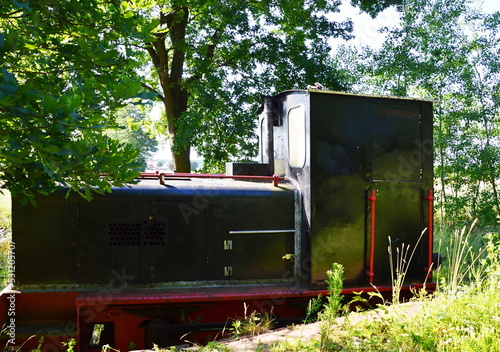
(151, 89)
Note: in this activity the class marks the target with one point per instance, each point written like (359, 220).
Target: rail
(162, 175)
(430, 230)
(373, 199)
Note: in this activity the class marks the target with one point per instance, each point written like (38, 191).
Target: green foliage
(39, 346)
(5, 211)
(333, 306)
(70, 345)
(463, 251)
(374, 7)
(133, 129)
(313, 308)
(252, 323)
(400, 261)
(446, 52)
(462, 316)
(211, 60)
(335, 280)
(66, 67)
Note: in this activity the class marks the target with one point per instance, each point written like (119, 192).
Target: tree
(211, 58)
(374, 7)
(449, 53)
(66, 67)
(133, 128)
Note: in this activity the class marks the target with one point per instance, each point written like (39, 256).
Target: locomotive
(339, 176)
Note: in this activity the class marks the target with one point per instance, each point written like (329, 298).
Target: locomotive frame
(178, 253)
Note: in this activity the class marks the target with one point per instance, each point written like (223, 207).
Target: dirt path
(311, 331)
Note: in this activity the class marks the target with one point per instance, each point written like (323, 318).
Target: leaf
(30, 46)
(22, 5)
(128, 14)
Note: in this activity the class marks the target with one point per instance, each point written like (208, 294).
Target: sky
(366, 28)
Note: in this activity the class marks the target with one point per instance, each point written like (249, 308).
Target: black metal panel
(153, 235)
(399, 225)
(360, 143)
(396, 139)
(182, 255)
(109, 241)
(340, 146)
(45, 240)
(252, 253)
(147, 240)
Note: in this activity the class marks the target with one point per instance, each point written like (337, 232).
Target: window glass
(297, 136)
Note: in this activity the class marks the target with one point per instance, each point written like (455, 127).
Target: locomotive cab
(364, 166)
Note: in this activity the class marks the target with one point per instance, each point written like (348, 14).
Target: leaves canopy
(66, 66)
(212, 58)
(448, 52)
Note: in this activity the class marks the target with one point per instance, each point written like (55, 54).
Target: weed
(462, 316)
(296, 345)
(5, 210)
(70, 345)
(39, 346)
(333, 305)
(212, 346)
(398, 272)
(253, 323)
(5, 235)
(313, 308)
(464, 250)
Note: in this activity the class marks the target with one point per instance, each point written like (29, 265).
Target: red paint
(220, 294)
(35, 310)
(373, 200)
(129, 309)
(430, 230)
(162, 175)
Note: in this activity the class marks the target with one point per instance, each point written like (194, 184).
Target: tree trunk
(169, 63)
(181, 160)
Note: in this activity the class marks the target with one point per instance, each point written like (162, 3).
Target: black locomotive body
(186, 231)
(176, 253)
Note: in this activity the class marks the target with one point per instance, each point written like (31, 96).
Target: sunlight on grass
(5, 216)
(463, 315)
(5, 237)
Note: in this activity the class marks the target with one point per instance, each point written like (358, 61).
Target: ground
(309, 332)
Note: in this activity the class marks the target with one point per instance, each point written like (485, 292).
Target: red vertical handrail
(373, 199)
(430, 230)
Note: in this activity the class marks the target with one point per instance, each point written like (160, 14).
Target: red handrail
(430, 230)
(162, 175)
(373, 199)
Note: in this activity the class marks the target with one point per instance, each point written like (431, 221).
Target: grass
(463, 315)
(251, 324)
(5, 235)
(5, 203)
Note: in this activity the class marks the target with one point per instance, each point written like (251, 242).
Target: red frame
(74, 309)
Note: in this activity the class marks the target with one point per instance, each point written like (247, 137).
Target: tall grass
(399, 269)
(463, 315)
(463, 251)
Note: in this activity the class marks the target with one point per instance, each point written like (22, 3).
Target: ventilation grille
(154, 234)
(129, 234)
